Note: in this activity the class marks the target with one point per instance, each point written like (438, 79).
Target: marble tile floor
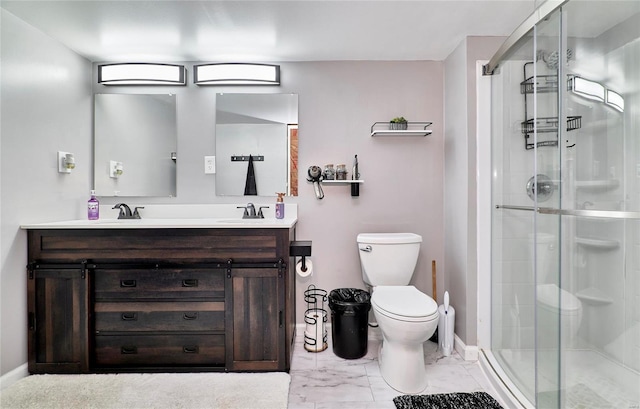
(325, 381)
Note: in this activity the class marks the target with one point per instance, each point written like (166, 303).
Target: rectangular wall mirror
(264, 126)
(135, 139)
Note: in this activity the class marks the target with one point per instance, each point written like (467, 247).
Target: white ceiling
(268, 31)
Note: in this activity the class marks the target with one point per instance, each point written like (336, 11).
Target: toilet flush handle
(366, 249)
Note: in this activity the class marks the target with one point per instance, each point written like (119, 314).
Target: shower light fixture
(586, 88)
(615, 100)
(236, 74)
(141, 74)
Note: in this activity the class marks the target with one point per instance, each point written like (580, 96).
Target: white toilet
(406, 316)
(552, 301)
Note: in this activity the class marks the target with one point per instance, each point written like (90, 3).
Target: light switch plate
(209, 164)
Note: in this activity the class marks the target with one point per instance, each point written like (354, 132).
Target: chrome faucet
(250, 211)
(125, 211)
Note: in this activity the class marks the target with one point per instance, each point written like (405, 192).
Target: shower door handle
(602, 214)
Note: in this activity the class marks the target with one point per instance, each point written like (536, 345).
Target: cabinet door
(58, 321)
(255, 341)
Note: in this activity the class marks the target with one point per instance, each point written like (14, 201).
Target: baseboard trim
(14, 376)
(467, 352)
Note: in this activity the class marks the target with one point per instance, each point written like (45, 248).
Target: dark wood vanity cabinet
(58, 319)
(106, 300)
(257, 317)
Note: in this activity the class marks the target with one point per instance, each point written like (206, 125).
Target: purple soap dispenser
(93, 207)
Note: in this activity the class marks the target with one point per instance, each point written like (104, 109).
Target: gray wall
(46, 107)
(460, 192)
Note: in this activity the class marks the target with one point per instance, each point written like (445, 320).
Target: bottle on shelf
(341, 172)
(329, 172)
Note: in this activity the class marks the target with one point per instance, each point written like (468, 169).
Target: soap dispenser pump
(280, 206)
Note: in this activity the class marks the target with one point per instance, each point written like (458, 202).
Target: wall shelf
(413, 129)
(341, 182)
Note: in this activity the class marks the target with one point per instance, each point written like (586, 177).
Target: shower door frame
(508, 390)
(504, 386)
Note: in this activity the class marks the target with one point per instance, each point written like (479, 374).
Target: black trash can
(349, 321)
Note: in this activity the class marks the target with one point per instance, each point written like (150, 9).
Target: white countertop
(178, 217)
(168, 224)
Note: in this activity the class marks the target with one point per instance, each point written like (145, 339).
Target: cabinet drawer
(159, 316)
(157, 350)
(158, 283)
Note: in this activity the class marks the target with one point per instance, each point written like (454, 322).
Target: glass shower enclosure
(565, 125)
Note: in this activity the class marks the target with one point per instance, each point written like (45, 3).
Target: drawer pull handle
(127, 283)
(190, 349)
(129, 316)
(128, 350)
(190, 282)
(190, 316)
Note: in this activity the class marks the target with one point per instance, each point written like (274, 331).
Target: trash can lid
(404, 301)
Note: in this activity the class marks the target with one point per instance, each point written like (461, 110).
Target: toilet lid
(551, 294)
(389, 238)
(404, 301)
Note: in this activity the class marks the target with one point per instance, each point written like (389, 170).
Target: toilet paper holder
(315, 318)
(300, 248)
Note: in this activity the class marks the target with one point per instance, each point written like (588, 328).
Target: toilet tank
(388, 258)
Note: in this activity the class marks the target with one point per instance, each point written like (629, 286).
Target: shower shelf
(596, 243)
(593, 296)
(547, 125)
(597, 184)
(544, 83)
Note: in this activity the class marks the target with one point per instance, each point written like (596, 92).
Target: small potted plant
(398, 123)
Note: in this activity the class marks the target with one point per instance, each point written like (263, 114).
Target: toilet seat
(405, 303)
(548, 295)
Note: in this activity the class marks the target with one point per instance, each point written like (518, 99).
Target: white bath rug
(158, 391)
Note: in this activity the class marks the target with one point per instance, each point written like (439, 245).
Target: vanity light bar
(141, 74)
(236, 74)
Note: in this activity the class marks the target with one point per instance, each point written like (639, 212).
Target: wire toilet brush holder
(315, 318)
